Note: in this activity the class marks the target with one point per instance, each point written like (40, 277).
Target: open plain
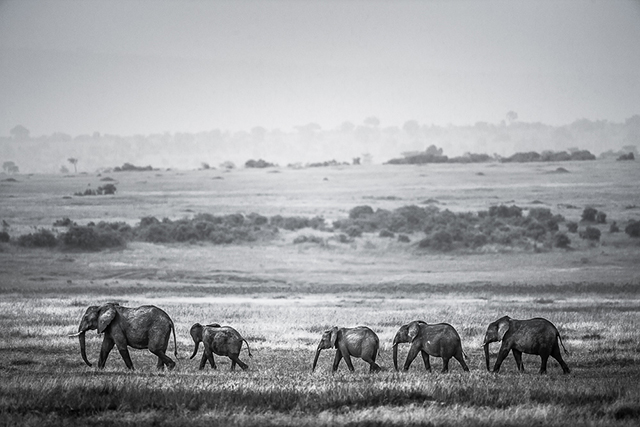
(281, 295)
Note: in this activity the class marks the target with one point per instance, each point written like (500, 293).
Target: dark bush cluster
(590, 214)
(590, 233)
(91, 238)
(548, 156)
(128, 167)
(258, 164)
(446, 230)
(104, 189)
(633, 228)
(42, 238)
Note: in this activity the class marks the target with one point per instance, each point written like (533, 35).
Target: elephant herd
(149, 327)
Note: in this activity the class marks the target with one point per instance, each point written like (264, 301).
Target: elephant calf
(438, 340)
(533, 336)
(221, 340)
(359, 342)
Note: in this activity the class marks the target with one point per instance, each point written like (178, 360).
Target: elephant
(438, 340)
(532, 336)
(141, 327)
(221, 340)
(359, 342)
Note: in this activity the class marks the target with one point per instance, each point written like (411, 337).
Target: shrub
(360, 211)
(613, 228)
(561, 240)
(258, 164)
(354, 231)
(601, 217)
(386, 233)
(633, 228)
(572, 227)
(91, 238)
(40, 239)
(589, 214)
(4, 237)
(64, 222)
(403, 238)
(503, 211)
(441, 241)
(308, 239)
(591, 233)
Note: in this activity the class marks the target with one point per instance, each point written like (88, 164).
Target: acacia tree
(19, 132)
(10, 167)
(74, 162)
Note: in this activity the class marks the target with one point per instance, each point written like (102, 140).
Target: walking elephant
(221, 340)
(359, 342)
(144, 327)
(438, 340)
(533, 336)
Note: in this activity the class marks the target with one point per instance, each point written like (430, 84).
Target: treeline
(438, 230)
(371, 141)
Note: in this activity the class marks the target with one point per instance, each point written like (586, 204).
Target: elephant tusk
(75, 335)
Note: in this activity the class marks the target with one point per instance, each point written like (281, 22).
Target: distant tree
(372, 121)
(63, 169)
(74, 162)
(512, 116)
(10, 167)
(433, 150)
(227, 165)
(19, 132)
(411, 127)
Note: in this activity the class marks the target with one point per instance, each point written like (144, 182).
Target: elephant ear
(334, 336)
(503, 327)
(414, 329)
(105, 318)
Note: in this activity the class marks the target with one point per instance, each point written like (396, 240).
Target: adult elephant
(532, 336)
(359, 342)
(438, 340)
(144, 327)
(221, 340)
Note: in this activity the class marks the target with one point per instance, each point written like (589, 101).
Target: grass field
(280, 296)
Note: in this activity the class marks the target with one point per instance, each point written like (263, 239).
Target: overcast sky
(141, 67)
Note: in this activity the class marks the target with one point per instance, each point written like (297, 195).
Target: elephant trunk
(83, 349)
(315, 359)
(195, 349)
(395, 355)
(486, 355)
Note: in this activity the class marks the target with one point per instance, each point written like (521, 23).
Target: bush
(386, 233)
(4, 237)
(403, 238)
(613, 228)
(440, 241)
(91, 238)
(633, 228)
(591, 233)
(503, 211)
(64, 222)
(572, 227)
(360, 211)
(561, 240)
(589, 214)
(601, 218)
(308, 239)
(40, 239)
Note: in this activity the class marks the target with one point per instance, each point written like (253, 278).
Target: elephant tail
(175, 345)
(563, 347)
(248, 349)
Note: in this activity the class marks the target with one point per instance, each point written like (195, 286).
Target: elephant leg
(209, 354)
(413, 352)
(160, 364)
(336, 360)
(502, 354)
(555, 353)
(124, 352)
(236, 360)
(163, 359)
(543, 363)
(518, 356)
(107, 345)
(373, 366)
(347, 359)
(425, 359)
(203, 361)
(445, 365)
(458, 356)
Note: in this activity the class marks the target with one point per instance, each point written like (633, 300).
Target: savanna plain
(281, 293)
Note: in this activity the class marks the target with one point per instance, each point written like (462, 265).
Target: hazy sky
(128, 67)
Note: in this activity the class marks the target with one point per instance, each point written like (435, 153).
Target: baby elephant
(359, 342)
(221, 340)
(438, 340)
(532, 336)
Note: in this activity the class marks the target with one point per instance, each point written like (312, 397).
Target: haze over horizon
(147, 67)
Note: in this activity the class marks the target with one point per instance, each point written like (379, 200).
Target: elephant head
(94, 318)
(328, 340)
(406, 333)
(196, 334)
(495, 332)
